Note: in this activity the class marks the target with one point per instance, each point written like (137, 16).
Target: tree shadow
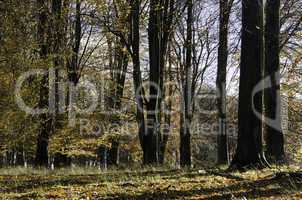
(13, 183)
(249, 189)
(281, 183)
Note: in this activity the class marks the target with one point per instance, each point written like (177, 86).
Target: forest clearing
(151, 99)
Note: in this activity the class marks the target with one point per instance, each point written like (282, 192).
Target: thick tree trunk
(222, 139)
(250, 147)
(154, 77)
(185, 119)
(272, 97)
(45, 126)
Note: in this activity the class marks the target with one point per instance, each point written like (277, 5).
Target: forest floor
(79, 183)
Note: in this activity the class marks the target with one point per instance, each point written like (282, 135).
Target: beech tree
(250, 145)
(273, 131)
(185, 135)
(46, 122)
(222, 139)
(161, 15)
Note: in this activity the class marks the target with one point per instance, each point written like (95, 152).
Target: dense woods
(115, 84)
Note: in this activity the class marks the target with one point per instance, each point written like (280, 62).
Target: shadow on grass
(267, 187)
(271, 187)
(10, 183)
(14, 185)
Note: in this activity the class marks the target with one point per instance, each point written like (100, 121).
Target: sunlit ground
(151, 183)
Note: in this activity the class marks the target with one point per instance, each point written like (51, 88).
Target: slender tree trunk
(45, 125)
(19, 156)
(222, 139)
(102, 157)
(167, 115)
(185, 142)
(185, 120)
(250, 146)
(137, 79)
(73, 65)
(274, 135)
(119, 77)
(166, 17)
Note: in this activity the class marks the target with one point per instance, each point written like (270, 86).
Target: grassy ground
(79, 183)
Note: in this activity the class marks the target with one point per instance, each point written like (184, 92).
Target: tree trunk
(19, 160)
(154, 77)
(46, 120)
(161, 15)
(249, 151)
(118, 76)
(61, 160)
(137, 79)
(185, 120)
(59, 27)
(185, 142)
(113, 153)
(102, 156)
(222, 139)
(73, 65)
(167, 14)
(274, 135)
(168, 109)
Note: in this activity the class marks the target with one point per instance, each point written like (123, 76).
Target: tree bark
(185, 120)
(137, 79)
(119, 76)
(102, 156)
(154, 77)
(59, 34)
(272, 97)
(160, 24)
(249, 151)
(45, 125)
(185, 142)
(222, 139)
(113, 153)
(167, 115)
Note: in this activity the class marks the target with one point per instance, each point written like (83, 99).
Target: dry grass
(152, 183)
